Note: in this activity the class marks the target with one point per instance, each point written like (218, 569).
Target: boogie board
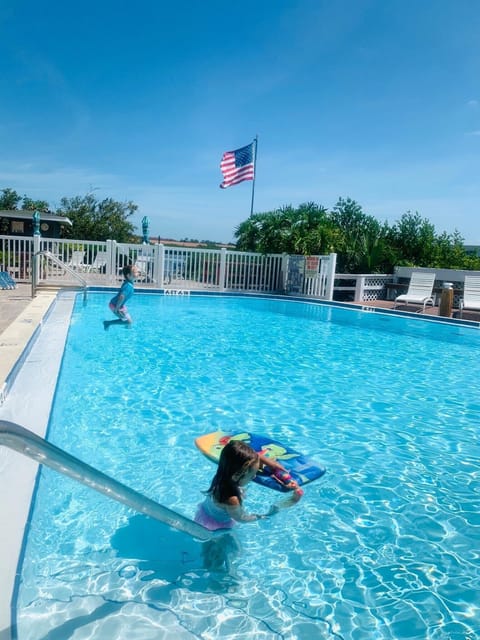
(301, 468)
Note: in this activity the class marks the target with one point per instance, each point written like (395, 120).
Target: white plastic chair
(99, 263)
(144, 266)
(76, 261)
(471, 294)
(419, 290)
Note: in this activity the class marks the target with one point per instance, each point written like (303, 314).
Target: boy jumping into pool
(117, 303)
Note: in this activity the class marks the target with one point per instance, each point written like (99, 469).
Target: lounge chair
(144, 266)
(6, 281)
(471, 294)
(99, 263)
(419, 290)
(76, 261)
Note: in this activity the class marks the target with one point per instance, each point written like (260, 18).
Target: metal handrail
(48, 254)
(29, 444)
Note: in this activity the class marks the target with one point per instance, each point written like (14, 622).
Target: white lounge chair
(99, 263)
(76, 261)
(144, 266)
(419, 290)
(471, 294)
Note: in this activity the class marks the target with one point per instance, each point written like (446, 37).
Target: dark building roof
(23, 214)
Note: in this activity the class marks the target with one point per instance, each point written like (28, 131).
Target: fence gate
(311, 276)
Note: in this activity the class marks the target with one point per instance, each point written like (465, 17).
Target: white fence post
(159, 264)
(359, 288)
(111, 261)
(284, 271)
(330, 280)
(223, 264)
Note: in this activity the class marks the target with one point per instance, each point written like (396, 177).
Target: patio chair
(471, 294)
(99, 263)
(419, 290)
(76, 261)
(144, 266)
(6, 281)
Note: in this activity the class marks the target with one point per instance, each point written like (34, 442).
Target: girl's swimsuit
(213, 517)
(127, 290)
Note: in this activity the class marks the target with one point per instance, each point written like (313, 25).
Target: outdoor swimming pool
(385, 546)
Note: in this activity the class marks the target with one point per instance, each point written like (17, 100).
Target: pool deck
(12, 303)
(20, 316)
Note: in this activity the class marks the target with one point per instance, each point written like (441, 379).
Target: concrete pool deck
(12, 303)
(20, 317)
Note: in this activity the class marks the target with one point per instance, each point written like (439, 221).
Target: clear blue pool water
(385, 546)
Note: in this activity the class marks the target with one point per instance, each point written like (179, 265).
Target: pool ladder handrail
(29, 444)
(50, 256)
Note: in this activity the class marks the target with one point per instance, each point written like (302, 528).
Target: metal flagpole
(254, 173)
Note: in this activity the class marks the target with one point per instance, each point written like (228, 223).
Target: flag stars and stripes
(237, 166)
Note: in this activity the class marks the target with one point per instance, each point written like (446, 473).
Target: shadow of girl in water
(219, 553)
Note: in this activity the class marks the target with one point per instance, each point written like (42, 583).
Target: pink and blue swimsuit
(213, 517)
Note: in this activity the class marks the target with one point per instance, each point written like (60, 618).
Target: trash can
(446, 300)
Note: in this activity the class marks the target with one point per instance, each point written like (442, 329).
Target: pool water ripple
(385, 546)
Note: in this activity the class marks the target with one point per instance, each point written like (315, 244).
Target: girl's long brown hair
(236, 456)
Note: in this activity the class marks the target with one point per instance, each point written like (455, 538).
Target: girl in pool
(223, 505)
(238, 465)
(117, 303)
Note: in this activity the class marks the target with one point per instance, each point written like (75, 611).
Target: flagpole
(254, 174)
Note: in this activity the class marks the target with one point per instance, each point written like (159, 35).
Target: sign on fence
(311, 266)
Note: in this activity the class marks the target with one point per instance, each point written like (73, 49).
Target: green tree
(304, 230)
(249, 232)
(9, 199)
(360, 242)
(414, 241)
(98, 220)
(450, 252)
(34, 205)
(311, 230)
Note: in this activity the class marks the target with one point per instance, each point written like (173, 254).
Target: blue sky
(377, 100)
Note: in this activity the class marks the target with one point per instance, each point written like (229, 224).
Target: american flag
(237, 166)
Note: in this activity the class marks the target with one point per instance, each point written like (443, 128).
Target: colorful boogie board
(301, 468)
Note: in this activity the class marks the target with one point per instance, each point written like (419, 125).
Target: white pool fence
(67, 262)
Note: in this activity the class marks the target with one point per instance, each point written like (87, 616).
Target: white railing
(361, 287)
(43, 260)
(15, 254)
(160, 266)
(29, 444)
(253, 271)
